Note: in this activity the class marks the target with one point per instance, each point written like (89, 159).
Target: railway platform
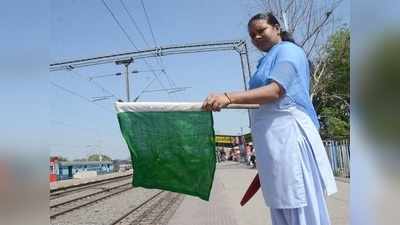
(230, 182)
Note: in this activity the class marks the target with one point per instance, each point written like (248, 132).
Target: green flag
(172, 146)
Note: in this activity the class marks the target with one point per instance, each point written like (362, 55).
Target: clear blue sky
(81, 29)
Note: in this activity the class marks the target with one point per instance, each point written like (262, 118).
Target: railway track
(86, 200)
(61, 192)
(154, 211)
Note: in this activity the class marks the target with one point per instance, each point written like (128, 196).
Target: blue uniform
(292, 163)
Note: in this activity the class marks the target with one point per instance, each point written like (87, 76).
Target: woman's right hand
(215, 102)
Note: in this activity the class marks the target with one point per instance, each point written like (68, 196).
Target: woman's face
(264, 35)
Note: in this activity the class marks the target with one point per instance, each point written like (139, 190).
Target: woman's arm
(261, 95)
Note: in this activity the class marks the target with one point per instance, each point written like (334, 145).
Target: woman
(292, 163)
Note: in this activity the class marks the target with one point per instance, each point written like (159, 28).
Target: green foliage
(333, 100)
(339, 63)
(333, 125)
(96, 157)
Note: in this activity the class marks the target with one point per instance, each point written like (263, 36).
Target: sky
(84, 29)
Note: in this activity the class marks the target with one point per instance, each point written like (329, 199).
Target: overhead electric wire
(141, 92)
(144, 71)
(171, 82)
(105, 90)
(96, 84)
(134, 23)
(169, 89)
(119, 24)
(159, 61)
(78, 95)
(105, 75)
(148, 23)
(130, 40)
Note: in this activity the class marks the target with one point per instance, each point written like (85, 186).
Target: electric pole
(126, 63)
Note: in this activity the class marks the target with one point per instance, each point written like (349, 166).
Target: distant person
(293, 167)
(248, 153)
(218, 155)
(237, 153)
(231, 155)
(252, 157)
(222, 154)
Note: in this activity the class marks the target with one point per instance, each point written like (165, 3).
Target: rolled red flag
(251, 190)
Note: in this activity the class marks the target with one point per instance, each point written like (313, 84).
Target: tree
(309, 20)
(97, 157)
(330, 89)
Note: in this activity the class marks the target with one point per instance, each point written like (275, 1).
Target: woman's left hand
(214, 102)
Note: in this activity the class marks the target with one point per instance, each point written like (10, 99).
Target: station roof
(83, 163)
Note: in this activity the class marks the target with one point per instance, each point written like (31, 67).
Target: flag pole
(173, 106)
(242, 106)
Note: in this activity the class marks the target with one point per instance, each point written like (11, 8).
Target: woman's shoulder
(287, 46)
(290, 51)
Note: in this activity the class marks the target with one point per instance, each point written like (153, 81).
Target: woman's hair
(271, 20)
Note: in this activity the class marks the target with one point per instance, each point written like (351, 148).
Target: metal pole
(146, 53)
(245, 84)
(127, 83)
(249, 70)
(126, 63)
(247, 59)
(243, 71)
(242, 106)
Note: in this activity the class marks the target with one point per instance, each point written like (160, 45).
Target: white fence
(339, 156)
